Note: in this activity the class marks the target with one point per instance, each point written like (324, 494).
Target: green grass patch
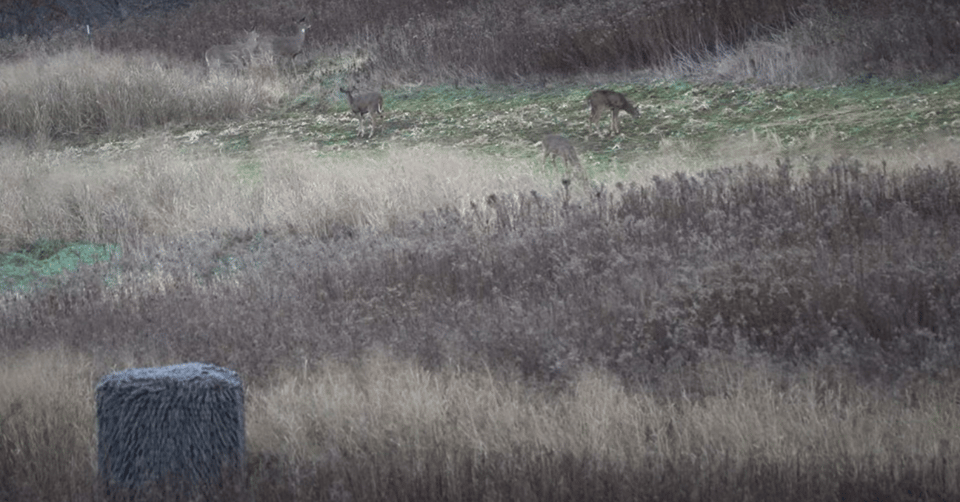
(48, 258)
(505, 120)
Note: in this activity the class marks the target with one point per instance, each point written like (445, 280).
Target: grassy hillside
(751, 292)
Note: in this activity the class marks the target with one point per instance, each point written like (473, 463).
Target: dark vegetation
(849, 265)
(478, 40)
(503, 39)
(841, 269)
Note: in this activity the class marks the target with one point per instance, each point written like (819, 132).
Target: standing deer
(287, 47)
(365, 104)
(603, 100)
(235, 55)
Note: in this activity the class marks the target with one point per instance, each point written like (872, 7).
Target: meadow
(753, 295)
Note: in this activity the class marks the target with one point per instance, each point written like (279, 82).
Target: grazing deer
(287, 47)
(365, 104)
(555, 146)
(235, 55)
(603, 100)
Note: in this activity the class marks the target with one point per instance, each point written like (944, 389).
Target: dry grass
(82, 92)
(827, 44)
(747, 410)
(331, 421)
(156, 188)
(47, 426)
(688, 157)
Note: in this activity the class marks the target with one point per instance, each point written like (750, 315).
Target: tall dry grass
(379, 427)
(751, 409)
(157, 189)
(47, 431)
(83, 93)
(831, 44)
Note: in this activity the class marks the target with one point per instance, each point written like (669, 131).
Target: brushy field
(755, 296)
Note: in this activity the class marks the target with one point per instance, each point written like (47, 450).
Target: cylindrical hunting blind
(175, 426)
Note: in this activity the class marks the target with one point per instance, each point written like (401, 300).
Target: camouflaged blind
(176, 425)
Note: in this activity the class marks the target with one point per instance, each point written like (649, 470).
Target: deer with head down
(603, 100)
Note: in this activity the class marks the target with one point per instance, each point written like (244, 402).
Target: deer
(555, 145)
(287, 47)
(365, 104)
(235, 55)
(603, 100)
